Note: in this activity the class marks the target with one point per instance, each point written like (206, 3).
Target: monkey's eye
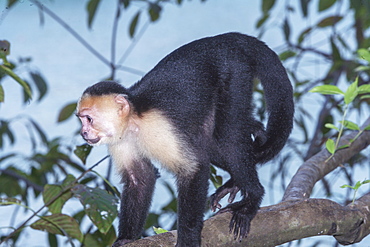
(89, 119)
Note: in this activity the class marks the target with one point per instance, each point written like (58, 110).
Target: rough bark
(284, 222)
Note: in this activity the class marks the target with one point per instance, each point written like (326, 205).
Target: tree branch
(282, 223)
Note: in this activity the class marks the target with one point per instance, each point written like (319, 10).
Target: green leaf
(347, 186)
(99, 206)
(365, 97)
(361, 68)
(367, 127)
(329, 21)
(287, 54)
(325, 4)
(262, 20)
(326, 89)
(364, 89)
(330, 146)
(51, 190)
(82, 152)
(343, 146)
(159, 230)
(67, 112)
(267, 5)
(335, 53)
(303, 35)
(357, 185)
(59, 224)
(133, 24)
(11, 3)
(92, 6)
(2, 95)
(351, 92)
(154, 11)
(350, 125)
(331, 126)
(40, 84)
(364, 54)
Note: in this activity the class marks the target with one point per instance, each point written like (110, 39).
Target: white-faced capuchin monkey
(193, 109)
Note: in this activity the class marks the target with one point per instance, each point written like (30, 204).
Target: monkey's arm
(139, 182)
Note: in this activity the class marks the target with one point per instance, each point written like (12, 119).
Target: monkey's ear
(123, 102)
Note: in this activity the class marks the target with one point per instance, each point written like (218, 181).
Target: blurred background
(61, 47)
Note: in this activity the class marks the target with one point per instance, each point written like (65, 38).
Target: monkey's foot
(243, 213)
(221, 192)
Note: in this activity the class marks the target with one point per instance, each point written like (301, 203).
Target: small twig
(71, 31)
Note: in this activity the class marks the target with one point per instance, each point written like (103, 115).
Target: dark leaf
(92, 6)
(303, 35)
(134, 23)
(39, 131)
(82, 152)
(67, 112)
(329, 21)
(304, 7)
(125, 3)
(261, 21)
(154, 11)
(11, 3)
(325, 4)
(287, 54)
(52, 190)
(100, 206)
(286, 29)
(52, 238)
(59, 224)
(40, 84)
(2, 95)
(267, 5)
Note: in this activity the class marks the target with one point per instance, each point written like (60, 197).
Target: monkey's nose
(83, 134)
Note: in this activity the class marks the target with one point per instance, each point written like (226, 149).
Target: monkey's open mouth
(93, 141)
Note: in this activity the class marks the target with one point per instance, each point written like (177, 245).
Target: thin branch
(114, 38)
(134, 42)
(316, 168)
(71, 31)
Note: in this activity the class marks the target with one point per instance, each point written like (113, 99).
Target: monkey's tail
(280, 106)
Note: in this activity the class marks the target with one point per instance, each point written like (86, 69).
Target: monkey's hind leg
(244, 210)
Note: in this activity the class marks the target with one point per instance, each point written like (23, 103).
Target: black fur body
(204, 91)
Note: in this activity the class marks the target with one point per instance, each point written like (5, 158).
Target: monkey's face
(103, 118)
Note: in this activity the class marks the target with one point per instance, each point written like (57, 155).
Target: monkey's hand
(221, 192)
(121, 242)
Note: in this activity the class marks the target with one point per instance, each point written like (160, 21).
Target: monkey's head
(104, 116)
